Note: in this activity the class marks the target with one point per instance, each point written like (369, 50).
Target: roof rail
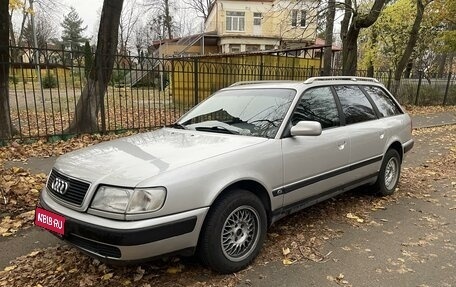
(259, 82)
(340, 78)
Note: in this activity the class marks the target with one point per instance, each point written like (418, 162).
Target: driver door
(315, 164)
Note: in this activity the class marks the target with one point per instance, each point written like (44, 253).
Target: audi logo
(60, 185)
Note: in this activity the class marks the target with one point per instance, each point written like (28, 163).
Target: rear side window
(317, 104)
(386, 106)
(355, 105)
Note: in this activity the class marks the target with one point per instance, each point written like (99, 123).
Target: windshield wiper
(216, 129)
(178, 126)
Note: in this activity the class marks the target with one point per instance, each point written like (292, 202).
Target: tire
(234, 231)
(390, 171)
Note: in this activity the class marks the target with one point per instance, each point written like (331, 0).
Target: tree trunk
(408, 70)
(5, 118)
(91, 101)
(348, 12)
(168, 21)
(350, 45)
(327, 55)
(441, 65)
(404, 59)
(370, 67)
(345, 21)
(350, 52)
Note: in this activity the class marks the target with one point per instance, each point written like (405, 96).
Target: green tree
(72, 30)
(411, 41)
(88, 58)
(404, 37)
(354, 20)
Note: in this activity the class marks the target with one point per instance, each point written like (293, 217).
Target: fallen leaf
(34, 253)
(174, 269)
(9, 268)
(287, 261)
(107, 276)
(357, 218)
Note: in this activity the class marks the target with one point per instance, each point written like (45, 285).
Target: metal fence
(146, 92)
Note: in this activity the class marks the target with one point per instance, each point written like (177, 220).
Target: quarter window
(355, 105)
(317, 105)
(235, 21)
(386, 106)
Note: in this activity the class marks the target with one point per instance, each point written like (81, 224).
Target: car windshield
(251, 112)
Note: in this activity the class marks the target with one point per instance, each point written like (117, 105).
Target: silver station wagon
(213, 182)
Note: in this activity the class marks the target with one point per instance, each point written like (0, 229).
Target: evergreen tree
(72, 30)
(88, 58)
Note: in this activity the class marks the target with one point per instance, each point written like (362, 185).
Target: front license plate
(50, 221)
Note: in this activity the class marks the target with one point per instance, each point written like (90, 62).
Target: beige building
(235, 26)
(244, 26)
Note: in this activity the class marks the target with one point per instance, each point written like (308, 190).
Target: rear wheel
(389, 174)
(234, 231)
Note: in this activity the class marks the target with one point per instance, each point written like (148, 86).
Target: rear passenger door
(389, 113)
(367, 133)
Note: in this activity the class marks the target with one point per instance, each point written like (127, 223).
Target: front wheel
(389, 174)
(234, 231)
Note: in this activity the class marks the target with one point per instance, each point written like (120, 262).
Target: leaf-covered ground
(294, 239)
(426, 110)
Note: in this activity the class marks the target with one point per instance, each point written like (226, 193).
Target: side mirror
(306, 128)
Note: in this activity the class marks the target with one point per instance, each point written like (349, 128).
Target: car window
(317, 105)
(355, 105)
(251, 112)
(383, 101)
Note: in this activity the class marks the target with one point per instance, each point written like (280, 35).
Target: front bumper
(128, 240)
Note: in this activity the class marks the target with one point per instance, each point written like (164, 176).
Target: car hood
(130, 160)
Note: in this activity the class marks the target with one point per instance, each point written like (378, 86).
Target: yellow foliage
(16, 4)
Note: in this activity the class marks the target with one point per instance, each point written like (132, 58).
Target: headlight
(146, 200)
(129, 201)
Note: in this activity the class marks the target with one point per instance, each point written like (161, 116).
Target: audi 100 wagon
(212, 183)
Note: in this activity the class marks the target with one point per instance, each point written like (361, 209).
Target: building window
(252, 48)
(298, 18)
(235, 21)
(256, 18)
(235, 48)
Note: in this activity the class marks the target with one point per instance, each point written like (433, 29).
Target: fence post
(195, 78)
(293, 67)
(420, 75)
(390, 73)
(446, 89)
(261, 67)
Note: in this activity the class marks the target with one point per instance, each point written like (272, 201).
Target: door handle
(382, 135)
(341, 146)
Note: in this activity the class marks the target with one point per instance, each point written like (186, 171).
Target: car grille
(95, 247)
(75, 191)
